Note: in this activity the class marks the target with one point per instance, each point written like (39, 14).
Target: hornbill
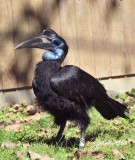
(67, 92)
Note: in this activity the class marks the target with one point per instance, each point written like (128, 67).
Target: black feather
(67, 92)
(110, 109)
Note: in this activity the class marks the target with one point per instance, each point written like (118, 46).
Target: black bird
(67, 92)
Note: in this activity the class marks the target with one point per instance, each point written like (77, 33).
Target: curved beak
(38, 42)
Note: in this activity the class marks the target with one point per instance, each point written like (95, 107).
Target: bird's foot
(82, 143)
(56, 140)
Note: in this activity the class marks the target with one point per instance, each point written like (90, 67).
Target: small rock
(17, 120)
(36, 156)
(24, 104)
(41, 134)
(130, 141)
(17, 108)
(116, 122)
(8, 144)
(14, 127)
(2, 125)
(118, 154)
(129, 100)
(26, 145)
(31, 110)
(78, 154)
(35, 117)
(20, 156)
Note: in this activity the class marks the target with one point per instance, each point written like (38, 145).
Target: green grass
(102, 136)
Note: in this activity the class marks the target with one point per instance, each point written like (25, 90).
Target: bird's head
(49, 40)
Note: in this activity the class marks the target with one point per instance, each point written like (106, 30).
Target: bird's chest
(41, 82)
(43, 74)
(47, 98)
(42, 88)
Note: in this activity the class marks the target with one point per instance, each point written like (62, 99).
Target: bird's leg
(82, 138)
(58, 137)
(83, 122)
(59, 134)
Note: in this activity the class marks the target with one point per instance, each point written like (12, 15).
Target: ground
(24, 135)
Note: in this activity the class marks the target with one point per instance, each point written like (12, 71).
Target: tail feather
(110, 109)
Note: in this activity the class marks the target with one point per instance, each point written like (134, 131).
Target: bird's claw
(56, 140)
(82, 143)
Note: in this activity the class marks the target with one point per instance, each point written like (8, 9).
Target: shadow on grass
(72, 142)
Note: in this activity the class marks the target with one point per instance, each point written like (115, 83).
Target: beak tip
(17, 47)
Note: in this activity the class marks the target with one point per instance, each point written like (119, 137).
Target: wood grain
(8, 68)
(100, 38)
(68, 30)
(84, 36)
(100, 35)
(36, 23)
(128, 35)
(115, 34)
(23, 56)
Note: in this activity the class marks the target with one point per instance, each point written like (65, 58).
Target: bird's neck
(57, 55)
(46, 69)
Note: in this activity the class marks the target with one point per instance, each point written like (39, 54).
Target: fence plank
(84, 36)
(132, 56)
(68, 29)
(36, 20)
(21, 30)
(115, 32)
(44, 14)
(7, 60)
(100, 38)
(129, 29)
(51, 14)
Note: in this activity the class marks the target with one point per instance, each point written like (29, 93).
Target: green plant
(122, 96)
(131, 93)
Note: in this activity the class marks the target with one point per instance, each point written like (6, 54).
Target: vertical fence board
(8, 61)
(84, 36)
(68, 30)
(21, 33)
(129, 30)
(36, 20)
(132, 56)
(51, 14)
(100, 38)
(44, 14)
(115, 32)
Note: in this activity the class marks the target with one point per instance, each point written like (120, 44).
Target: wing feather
(75, 84)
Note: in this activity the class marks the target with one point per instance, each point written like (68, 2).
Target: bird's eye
(56, 42)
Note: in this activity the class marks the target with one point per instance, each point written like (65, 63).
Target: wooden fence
(100, 35)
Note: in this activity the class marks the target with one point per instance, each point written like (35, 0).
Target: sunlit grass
(101, 135)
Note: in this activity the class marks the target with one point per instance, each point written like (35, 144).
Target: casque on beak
(48, 40)
(41, 42)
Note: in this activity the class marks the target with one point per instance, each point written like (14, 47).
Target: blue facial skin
(57, 54)
(53, 55)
